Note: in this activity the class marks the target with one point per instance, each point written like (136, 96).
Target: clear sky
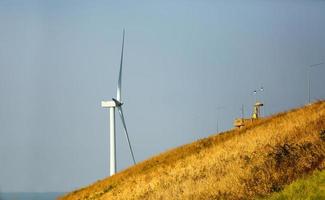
(188, 64)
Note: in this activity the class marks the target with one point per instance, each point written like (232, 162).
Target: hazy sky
(183, 61)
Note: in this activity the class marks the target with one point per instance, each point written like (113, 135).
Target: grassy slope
(311, 187)
(238, 164)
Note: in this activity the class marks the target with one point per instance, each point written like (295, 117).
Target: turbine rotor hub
(118, 103)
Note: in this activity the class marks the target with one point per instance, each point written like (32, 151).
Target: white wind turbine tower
(112, 105)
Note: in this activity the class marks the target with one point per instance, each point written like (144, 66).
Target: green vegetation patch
(311, 187)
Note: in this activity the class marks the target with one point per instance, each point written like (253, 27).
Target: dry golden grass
(239, 164)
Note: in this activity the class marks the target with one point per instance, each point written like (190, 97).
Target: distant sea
(29, 195)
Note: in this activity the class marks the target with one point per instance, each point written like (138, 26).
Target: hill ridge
(237, 164)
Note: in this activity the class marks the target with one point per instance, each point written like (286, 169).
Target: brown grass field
(244, 163)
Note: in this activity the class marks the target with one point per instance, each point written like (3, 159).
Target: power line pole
(309, 78)
(242, 111)
(218, 109)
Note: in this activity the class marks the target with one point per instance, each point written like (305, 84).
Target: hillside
(244, 163)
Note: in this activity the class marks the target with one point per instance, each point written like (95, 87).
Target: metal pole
(308, 74)
(218, 108)
(112, 141)
(242, 111)
(309, 81)
(217, 126)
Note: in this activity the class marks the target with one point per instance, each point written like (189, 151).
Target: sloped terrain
(245, 163)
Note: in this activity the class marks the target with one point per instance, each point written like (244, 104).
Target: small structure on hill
(240, 122)
(257, 110)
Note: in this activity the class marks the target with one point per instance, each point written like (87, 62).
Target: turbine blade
(119, 84)
(126, 131)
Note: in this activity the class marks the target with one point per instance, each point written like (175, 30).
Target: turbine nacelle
(111, 104)
(108, 104)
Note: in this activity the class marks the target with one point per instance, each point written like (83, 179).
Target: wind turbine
(112, 105)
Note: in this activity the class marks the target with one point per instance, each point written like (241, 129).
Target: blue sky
(183, 60)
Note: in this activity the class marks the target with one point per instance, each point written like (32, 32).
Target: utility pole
(309, 78)
(218, 108)
(242, 112)
(217, 126)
